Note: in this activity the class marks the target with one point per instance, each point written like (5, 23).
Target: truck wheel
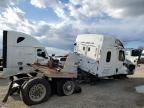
(35, 91)
(65, 88)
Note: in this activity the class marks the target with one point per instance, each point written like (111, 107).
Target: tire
(65, 87)
(35, 91)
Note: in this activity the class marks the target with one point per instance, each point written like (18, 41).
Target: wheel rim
(37, 92)
(68, 87)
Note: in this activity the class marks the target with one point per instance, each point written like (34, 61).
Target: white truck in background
(132, 55)
(32, 72)
(142, 57)
(101, 56)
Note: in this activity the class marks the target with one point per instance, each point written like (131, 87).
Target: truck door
(109, 56)
(41, 56)
(82, 58)
(91, 52)
(120, 61)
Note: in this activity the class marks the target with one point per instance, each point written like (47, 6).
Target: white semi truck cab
(20, 49)
(32, 72)
(101, 55)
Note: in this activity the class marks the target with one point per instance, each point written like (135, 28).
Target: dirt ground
(106, 93)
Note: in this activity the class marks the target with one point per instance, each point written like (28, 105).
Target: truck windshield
(135, 53)
(63, 59)
(41, 53)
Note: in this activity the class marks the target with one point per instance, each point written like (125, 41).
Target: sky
(56, 23)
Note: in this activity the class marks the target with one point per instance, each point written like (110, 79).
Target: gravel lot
(106, 93)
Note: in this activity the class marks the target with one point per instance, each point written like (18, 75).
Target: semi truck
(102, 56)
(34, 74)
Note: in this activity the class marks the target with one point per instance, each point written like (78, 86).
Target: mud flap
(18, 79)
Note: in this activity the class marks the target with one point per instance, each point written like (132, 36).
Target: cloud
(126, 30)
(44, 3)
(13, 15)
(86, 8)
(13, 18)
(63, 34)
(113, 8)
(81, 9)
(57, 51)
(125, 8)
(7, 3)
(56, 5)
(60, 36)
(60, 12)
(110, 17)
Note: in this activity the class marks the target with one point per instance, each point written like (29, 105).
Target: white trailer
(101, 55)
(32, 72)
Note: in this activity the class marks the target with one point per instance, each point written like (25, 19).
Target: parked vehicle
(142, 57)
(61, 60)
(35, 75)
(132, 55)
(32, 72)
(101, 56)
(1, 64)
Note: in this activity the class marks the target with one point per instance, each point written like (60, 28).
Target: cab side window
(88, 48)
(41, 53)
(121, 55)
(83, 48)
(108, 57)
(20, 39)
